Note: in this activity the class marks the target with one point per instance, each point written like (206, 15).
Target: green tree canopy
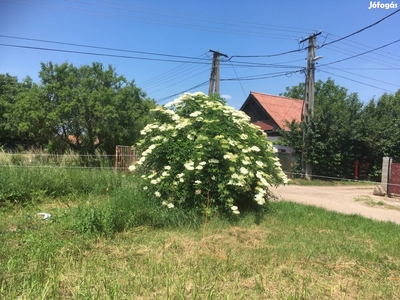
(83, 108)
(9, 89)
(380, 131)
(333, 135)
(10, 92)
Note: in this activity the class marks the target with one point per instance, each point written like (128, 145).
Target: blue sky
(187, 30)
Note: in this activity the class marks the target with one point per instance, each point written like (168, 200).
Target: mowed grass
(292, 252)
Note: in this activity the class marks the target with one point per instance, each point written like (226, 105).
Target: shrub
(201, 153)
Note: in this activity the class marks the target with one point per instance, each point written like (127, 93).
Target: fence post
(385, 179)
(116, 157)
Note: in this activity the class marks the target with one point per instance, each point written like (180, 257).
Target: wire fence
(302, 175)
(67, 161)
(121, 161)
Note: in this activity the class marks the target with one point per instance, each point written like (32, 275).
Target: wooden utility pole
(214, 77)
(308, 104)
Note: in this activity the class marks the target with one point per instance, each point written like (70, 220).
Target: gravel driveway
(344, 199)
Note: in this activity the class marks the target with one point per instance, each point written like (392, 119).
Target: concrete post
(386, 174)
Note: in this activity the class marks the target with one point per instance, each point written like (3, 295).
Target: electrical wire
(366, 47)
(370, 85)
(157, 21)
(179, 82)
(178, 78)
(267, 55)
(366, 77)
(174, 95)
(360, 54)
(239, 81)
(197, 60)
(364, 58)
(377, 69)
(217, 20)
(264, 76)
(257, 65)
(96, 54)
(100, 47)
(183, 67)
(358, 31)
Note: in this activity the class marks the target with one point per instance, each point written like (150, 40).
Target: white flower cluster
(168, 204)
(235, 210)
(195, 114)
(227, 161)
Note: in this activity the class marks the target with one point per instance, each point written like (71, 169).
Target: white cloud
(226, 97)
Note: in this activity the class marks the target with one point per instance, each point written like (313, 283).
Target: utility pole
(308, 104)
(214, 77)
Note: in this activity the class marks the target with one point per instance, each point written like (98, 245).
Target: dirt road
(344, 199)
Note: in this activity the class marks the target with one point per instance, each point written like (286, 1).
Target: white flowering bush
(201, 153)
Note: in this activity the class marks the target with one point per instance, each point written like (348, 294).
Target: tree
(200, 153)
(85, 108)
(334, 137)
(380, 132)
(28, 114)
(10, 92)
(9, 88)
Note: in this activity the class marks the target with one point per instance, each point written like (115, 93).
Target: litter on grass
(45, 216)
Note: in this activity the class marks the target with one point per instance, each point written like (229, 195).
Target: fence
(391, 177)
(287, 161)
(45, 160)
(125, 156)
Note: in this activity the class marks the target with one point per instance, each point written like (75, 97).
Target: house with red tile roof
(271, 112)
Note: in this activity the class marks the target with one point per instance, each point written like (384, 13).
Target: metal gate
(287, 161)
(394, 179)
(124, 157)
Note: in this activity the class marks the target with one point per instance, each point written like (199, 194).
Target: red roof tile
(263, 126)
(280, 108)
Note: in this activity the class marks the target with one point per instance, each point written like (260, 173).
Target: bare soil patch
(344, 199)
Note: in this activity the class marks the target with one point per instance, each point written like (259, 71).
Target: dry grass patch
(369, 201)
(296, 252)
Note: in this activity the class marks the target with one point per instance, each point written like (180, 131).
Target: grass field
(105, 241)
(294, 252)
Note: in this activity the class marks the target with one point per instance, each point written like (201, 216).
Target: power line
(365, 58)
(362, 29)
(185, 66)
(174, 95)
(196, 60)
(96, 54)
(239, 81)
(100, 47)
(334, 62)
(364, 47)
(178, 77)
(193, 59)
(219, 20)
(263, 76)
(186, 78)
(157, 21)
(267, 55)
(377, 69)
(366, 77)
(370, 85)
(253, 64)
